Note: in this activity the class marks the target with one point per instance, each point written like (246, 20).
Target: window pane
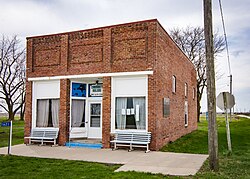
(78, 113)
(130, 113)
(42, 113)
(120, 113)
(95, 121)
(79, 89)
(166, 107)
(95, 115)
(173, 84)
(186, 89)
(95, 109)
(186, 113)
(55, 104)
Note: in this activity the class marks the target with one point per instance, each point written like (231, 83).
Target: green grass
(18, 132)
(235, 166)
(28, 167)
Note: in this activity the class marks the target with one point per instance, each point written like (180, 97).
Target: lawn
(17, 132)
(235, 166)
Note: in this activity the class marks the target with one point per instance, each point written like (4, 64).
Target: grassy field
(18, 132)
(235, 166)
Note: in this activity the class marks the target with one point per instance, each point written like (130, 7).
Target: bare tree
(12, 76)
(191, 41)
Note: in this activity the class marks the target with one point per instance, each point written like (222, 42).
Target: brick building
(93, 82)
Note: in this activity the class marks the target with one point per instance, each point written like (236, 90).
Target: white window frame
(174, 84)
(194, 91)
(186, 89)
(76, 97)
(88, 99)
(113, 99)
(35, 97)
(186, 112)
(36, 112)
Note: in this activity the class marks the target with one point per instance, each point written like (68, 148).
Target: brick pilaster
(64, 111)
(28, 110)
(106, 112)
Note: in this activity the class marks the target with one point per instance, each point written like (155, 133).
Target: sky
(26, 18)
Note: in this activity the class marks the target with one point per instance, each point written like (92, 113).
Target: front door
(95, 120)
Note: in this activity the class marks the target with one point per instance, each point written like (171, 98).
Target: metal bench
(132, 139)
(43, 135)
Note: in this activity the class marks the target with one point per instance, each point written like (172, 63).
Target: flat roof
(97, 28)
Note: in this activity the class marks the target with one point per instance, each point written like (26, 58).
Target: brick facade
(139, 46)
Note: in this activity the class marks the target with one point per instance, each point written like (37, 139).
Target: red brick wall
(64, 114)
(171, 61)
(28, 110)
(139, 46)
(106, 112)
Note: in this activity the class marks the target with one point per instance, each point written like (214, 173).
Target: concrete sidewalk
(241, 115)
(154, 162)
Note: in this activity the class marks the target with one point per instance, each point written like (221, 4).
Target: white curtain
(77, 112)
(42, 112)
(141, 123)
(120, 117)
(55, 104)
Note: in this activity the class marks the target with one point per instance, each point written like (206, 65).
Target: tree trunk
(198, 110)
(11, 115)
(199, 95)
(22, 111)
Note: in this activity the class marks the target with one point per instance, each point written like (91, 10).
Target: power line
(229, 66)
(225, 36)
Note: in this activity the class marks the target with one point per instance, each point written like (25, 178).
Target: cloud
(37, 17)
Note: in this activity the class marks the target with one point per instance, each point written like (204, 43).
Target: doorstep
(84, 145)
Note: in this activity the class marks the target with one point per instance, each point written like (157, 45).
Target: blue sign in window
(79, 89)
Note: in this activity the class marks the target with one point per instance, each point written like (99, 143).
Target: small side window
(174, 84)
(186, 113)
(194, 93)
(186, 89)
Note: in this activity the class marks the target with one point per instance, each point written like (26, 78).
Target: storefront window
(130, 113)
(47, 113)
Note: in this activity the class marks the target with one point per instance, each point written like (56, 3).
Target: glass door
(95, 120)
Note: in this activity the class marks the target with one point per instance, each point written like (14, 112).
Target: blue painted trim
(83, 145)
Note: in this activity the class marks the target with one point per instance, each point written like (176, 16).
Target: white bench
(132, 139)
(43, 135)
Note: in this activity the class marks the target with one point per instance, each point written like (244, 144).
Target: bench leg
(147, 149)
(130, 148)
(115, 147)
(41, 142)
(54, 143)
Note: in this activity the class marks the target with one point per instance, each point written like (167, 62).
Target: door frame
(79, 132)
(94, 132)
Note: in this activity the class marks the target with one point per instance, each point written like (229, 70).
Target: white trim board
(91, 75)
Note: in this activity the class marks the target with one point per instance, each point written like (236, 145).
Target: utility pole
(211, 96)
